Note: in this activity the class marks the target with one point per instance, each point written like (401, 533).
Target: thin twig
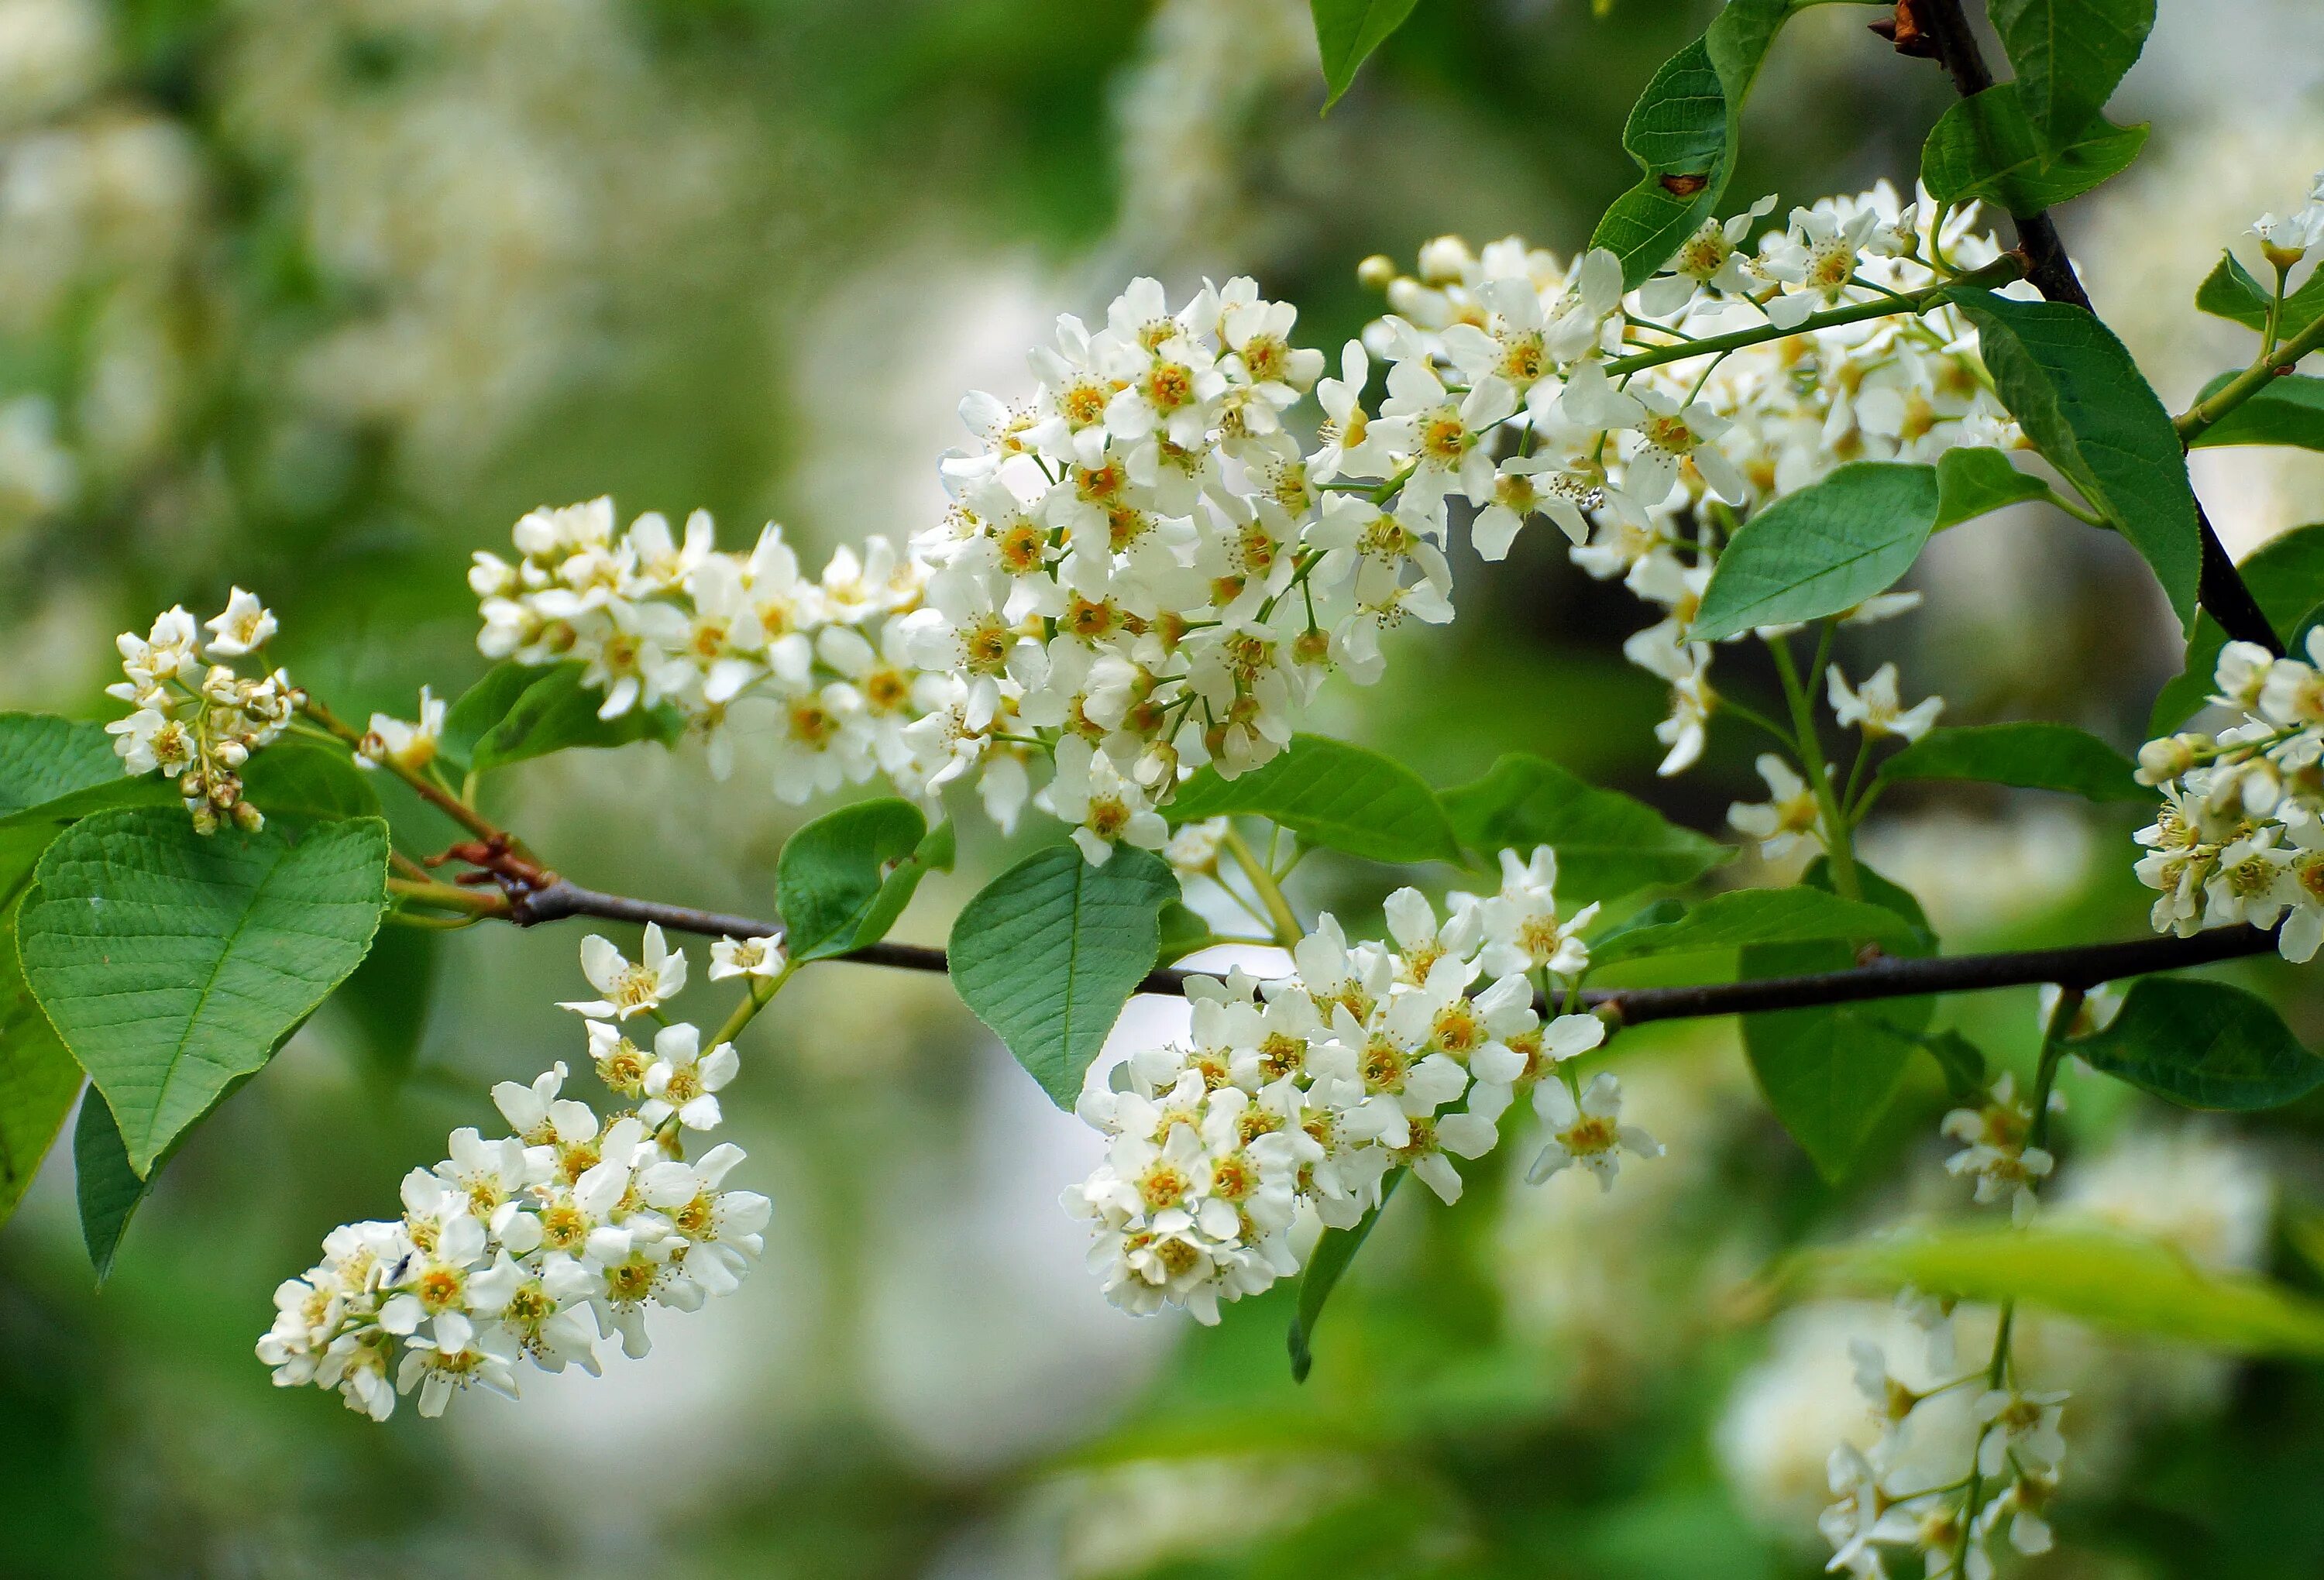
(2082, 966)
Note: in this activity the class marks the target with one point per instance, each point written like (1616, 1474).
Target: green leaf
(2286, 578)
(38, 1079)
(1985, 149)
(1048, 953)
(1332, 794)
(1973, 481)
(2083, 402)
(1346, 34)
(1652, 914)
(108, 1189)
(1183, 931)
(1830, 1071)
(387, 997)
(1684, 131)
(1608, 845)
(1335, 1250)
(2067, 55)
(2230, 291)
(171, 964)
(1823, 550)
(1962, 1061)
(1751, 916)
(2094, 1275)
(2203, 1045)
(42, 756)
(2030, 756)
(304, 779)
(2287, 410)
(842, 881)
(553, 713)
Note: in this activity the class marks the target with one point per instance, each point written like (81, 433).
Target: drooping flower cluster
(534, 1245)
(195, 719)
(1303, 1092)
(2238, 837)
(671, 620)
(1666, 459)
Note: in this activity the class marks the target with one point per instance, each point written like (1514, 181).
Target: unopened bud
(2160, 761)
(1375, 272)
(248, 818)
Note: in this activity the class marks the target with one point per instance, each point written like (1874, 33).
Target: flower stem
(435, 794)
(755, 998)
(1837, 850)
(2198, 419)
(1279, 915)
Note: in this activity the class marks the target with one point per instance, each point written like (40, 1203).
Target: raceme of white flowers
(1145, 569)
(192, 717)
(1676, 456)
(2238, 837)
(535, 1246)
(1306, 1090)
(1969, 1459)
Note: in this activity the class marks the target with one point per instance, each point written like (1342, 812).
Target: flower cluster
(195, 719)
(1305, 1092)
(669, 620)
(1666, 451)
(533, 1246)
(2238, 837)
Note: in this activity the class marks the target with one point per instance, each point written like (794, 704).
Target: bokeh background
(318, 295)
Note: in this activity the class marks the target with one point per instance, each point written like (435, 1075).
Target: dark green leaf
(2091, 1274)
(1683, 133)
(387, 998)
(1963, 1063)
(42, 756)
(1335, 1250)
(2083, 402)
(2286, 577)
(306, 779)
(1608, 845)
(38, 1079)
(1972, 481)
(1830, 1071)
(1823, 550)
(1751, 916)
(2067, 55)
(842, 881)
(1048, 953)
(1653, 915)
(171, 964)
(554, 712)
(1347, 32)
(1331, 793)
(2031, 756)
(2202, 1045)
(2230, 291)
(2287, 410)
(1985, 149)
(474, 711)
(1183, 931)
(109, 1190)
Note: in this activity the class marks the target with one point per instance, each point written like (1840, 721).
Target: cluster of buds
(194, 719)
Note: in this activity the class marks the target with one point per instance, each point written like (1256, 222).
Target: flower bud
(2160, 761)
(1375, 272)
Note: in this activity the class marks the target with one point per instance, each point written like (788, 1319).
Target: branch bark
(2080, 966)
(2221, 588)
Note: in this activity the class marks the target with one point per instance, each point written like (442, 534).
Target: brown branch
(2082, 966)
(1944, 31)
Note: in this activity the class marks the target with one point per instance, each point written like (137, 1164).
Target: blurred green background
(316, 296)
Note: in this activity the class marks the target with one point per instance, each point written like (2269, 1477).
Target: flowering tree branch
(2078, 966)
(1945, 30)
